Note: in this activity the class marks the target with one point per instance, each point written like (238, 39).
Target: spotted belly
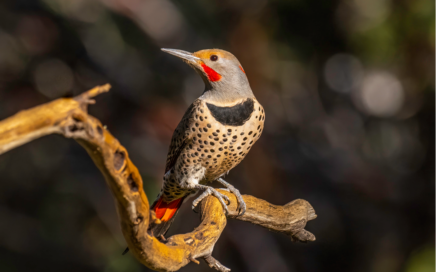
(218, 147)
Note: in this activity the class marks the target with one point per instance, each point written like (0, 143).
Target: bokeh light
(381, 94)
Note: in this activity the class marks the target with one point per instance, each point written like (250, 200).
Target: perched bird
(215, 134)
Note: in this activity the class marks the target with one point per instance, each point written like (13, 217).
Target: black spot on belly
(233, 116)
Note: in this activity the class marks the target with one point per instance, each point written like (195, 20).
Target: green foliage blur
(348, 90)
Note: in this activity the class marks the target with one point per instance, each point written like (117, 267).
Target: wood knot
(100, 130)
(139, 219)
(119, 158)
(73, 128)
(199, 236)
(132, 183)
(75, 125)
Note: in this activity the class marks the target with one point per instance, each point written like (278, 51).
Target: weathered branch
(69, 117)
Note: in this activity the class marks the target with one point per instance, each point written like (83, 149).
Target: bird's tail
(166, 212)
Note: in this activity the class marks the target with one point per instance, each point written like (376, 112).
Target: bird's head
(223, 75)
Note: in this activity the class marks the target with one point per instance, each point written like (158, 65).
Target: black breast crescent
(233, 116)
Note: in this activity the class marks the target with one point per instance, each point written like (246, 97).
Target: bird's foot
(211, 191)
(241, 204)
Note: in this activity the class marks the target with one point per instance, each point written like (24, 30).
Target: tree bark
(69, 117)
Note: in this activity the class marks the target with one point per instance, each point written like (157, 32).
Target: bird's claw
(225, 197)
(211, 191)
(242, 207)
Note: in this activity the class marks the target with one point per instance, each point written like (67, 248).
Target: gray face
(232, 86)
(224, 78)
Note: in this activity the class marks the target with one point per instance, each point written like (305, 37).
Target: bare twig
(69, 117)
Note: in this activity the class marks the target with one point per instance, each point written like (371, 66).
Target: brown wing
(181, 136)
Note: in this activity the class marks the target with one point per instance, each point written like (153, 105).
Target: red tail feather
(165, 211)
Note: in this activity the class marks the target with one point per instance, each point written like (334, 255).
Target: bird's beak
(184, 55)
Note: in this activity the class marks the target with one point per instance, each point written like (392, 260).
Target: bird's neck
(222, 94)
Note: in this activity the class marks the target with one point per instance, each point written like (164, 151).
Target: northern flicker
(215, 134)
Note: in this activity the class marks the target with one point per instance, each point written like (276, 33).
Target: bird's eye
(214, 58)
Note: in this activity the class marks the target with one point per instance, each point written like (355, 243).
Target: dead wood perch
(69, 117)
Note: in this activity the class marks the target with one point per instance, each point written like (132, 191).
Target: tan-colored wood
(69, 117)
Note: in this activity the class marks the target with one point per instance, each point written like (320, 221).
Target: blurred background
(348, 89)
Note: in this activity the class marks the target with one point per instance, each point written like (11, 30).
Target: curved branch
(69, 117)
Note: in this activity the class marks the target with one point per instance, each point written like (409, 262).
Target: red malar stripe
(240, 67)
(211, 74)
